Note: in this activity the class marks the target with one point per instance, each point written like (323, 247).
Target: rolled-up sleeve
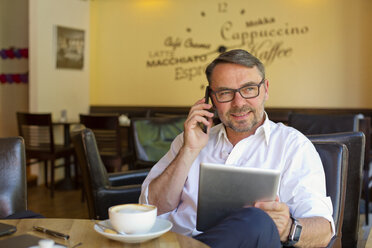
(303, 186)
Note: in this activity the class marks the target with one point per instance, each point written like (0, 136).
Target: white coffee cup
(132, 218)
(46, 243)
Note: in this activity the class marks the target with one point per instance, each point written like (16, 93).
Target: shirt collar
(265, 128)
(222, 135)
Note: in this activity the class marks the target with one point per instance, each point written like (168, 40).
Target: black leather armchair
(107, 132)
(13, 190)
(310, 124)
(321, 124)
(103, 189)
(355, 142)
(334, 157)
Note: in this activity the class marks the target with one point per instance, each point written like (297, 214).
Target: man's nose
(238, 100)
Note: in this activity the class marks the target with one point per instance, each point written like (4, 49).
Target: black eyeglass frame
(238, 90)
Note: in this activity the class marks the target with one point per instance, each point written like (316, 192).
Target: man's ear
(212, 101)
(266, 84)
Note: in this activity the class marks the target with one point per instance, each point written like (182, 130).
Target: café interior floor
(65, 204)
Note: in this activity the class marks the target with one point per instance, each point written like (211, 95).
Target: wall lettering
(228, 33)
(269, 50)
(188, 72)
(259, 37)
(176, 60)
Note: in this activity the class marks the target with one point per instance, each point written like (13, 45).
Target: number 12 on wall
(222, 7)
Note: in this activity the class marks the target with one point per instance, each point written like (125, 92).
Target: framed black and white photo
(70, 48)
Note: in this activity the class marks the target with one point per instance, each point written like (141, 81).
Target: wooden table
(83, 231)
(369, 241)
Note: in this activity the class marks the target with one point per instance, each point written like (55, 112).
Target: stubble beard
(244, 125)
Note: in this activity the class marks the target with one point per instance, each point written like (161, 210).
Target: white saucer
(160, 227)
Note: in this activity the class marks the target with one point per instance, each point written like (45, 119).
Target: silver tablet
(226, 188)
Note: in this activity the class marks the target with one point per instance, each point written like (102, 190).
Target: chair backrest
(106, 129)
(92, 169)
(37, 131)
(13, 189)
(355, 142)
(320, 124)
(334, 157)
(151, 137)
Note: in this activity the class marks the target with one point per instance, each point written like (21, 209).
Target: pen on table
(51, 232)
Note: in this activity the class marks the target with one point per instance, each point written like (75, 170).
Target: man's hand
(194, 137)
(279, 212)
(165, 190)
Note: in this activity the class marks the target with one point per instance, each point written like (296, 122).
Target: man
(246, 137)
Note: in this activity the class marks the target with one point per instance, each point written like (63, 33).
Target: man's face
(240, 115)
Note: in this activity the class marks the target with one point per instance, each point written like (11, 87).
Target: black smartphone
(206, 96)
(6, 229)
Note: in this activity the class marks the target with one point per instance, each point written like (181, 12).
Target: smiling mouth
(240, 115)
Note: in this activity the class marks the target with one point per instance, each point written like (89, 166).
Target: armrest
(139, 163)
(127, 177)
(335, 242)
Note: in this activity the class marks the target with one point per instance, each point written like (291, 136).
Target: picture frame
(70, 44)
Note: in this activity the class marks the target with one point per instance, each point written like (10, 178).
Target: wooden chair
(151, 138)
(13, 186)
(103, 189)
(107, 133)
(37, 131)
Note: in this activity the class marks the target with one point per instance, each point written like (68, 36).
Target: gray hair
(236, 56)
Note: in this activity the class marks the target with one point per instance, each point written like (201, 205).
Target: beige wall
(13, 97)
(326, 66)
(323, 64)
(52, 89)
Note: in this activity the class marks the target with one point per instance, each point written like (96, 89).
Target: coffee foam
(133, 208)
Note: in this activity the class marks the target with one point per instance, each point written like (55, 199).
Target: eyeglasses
(247, 92)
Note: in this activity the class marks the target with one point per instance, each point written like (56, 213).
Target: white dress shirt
(273, 146)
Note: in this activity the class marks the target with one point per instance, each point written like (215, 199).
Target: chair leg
(82, 194)
(366, 196)
(52, 178)
(46, 173)
(76, 172)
